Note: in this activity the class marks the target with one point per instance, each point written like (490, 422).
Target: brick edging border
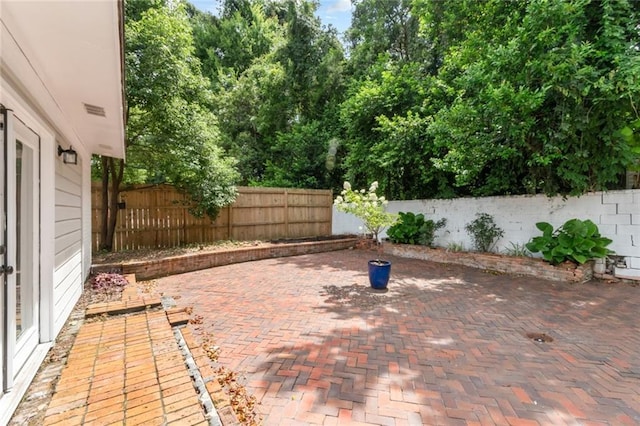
(156, 268)
(517, 265)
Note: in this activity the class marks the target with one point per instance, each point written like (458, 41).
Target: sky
(334, 12)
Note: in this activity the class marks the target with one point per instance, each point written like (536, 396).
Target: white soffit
(74, 49)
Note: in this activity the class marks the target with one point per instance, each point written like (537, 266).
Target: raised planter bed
(154, 268)
(517, 265)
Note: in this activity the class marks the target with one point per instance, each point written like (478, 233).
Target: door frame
(3, 315)
(27, 250)
(18, 349)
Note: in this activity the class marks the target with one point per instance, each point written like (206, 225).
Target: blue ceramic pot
(379, 272)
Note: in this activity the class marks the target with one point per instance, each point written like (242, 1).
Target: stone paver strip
(445, 345)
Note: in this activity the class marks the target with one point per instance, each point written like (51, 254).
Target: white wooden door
(20, 268)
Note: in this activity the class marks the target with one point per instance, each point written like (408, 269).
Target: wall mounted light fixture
(69, 156)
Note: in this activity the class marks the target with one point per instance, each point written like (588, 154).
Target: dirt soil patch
(160, 253)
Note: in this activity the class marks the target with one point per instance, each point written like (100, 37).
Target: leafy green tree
(276, 73)
(386, 118)
(443, 26)
(435, 99)
(228, 46)
(251, 113)
(306, 153)
(367, 206)
(299, 56)
(171, 133)
(305, 157)
(540, 100)
(385, 28)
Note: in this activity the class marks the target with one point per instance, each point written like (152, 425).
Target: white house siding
(617, 214)
(86, 217)
(68, 275)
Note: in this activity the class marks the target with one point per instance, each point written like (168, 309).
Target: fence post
(330, 196)
(183, 238)
(229, 222)
(286, 213)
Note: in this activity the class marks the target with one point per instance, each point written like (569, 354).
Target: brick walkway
(445, 345)
(125, 369)
(135, 363)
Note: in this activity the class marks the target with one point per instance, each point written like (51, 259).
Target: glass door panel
(25, 187)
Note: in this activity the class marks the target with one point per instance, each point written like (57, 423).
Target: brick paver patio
(445, 345)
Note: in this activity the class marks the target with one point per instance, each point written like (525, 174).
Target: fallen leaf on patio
(197, 319)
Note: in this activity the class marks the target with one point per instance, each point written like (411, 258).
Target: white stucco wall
(617, 214)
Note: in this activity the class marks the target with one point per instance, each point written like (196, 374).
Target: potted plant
(367, 206)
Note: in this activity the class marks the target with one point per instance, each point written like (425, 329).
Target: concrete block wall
(617, 214)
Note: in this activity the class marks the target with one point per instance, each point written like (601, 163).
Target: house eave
(69, 58)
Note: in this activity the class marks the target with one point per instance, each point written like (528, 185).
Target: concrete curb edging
(198, 382)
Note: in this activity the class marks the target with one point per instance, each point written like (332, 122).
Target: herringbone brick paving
(445, 345)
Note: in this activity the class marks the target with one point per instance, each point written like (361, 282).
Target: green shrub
(576, 241)
(484, 232)
(414, 229)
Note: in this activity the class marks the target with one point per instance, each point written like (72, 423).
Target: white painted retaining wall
(617, 214)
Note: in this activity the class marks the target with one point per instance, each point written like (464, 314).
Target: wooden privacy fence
(158, 216)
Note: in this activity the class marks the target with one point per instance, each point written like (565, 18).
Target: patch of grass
(455, 247)
(517, 249)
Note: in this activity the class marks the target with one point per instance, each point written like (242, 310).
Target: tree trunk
(113, 170)
(104, 213)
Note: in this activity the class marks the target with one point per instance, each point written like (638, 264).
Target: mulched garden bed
(100, 258)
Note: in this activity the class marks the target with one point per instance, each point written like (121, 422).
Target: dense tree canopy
(430, 98)
(436, 99)
(172, 133)
(541, 96)
(278, 79)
